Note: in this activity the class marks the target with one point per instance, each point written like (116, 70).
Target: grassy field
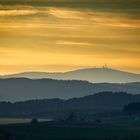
(73, 131)
(17, 120)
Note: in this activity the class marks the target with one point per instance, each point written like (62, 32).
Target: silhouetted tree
(132, 109)
(34, 121)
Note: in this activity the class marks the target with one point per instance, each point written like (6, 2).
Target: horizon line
(54, 72)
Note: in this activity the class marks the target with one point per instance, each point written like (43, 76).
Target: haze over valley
(93, 75)
(70, 69)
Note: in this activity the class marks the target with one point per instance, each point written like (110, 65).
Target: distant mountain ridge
(94, 75)
(19, 89)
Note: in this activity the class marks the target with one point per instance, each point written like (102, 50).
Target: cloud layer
(44, 35)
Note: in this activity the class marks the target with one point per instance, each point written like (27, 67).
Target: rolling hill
(17, 89)
(97, 103)
(94, 75)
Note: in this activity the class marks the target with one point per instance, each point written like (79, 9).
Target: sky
(63, 35)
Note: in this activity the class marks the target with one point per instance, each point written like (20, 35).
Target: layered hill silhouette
(17, 89)
(101, 101)
(94, 75)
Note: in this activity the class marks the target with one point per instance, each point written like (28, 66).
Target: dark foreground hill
(17, 89)
(102, 101)
(63, 131)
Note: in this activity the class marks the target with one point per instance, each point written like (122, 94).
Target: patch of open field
(68, 131)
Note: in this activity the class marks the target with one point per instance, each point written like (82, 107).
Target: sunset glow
(63, 36)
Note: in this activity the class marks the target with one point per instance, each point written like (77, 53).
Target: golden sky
(39, 35)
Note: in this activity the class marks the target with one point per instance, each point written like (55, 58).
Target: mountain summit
(94, 75)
